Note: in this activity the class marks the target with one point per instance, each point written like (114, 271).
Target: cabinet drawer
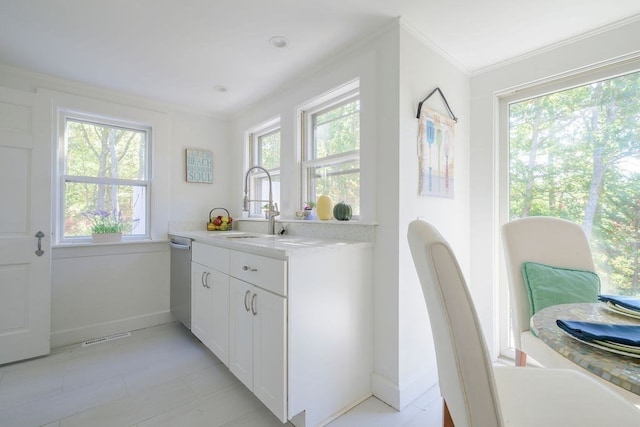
(266, 273)
(211, 256)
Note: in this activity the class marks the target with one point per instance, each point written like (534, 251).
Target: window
(575, 154)
(264, 149)
(331, 150)
(104, 171)
(570, 148)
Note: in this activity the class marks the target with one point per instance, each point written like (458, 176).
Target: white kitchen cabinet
(210, 299)
(258, 338)
(270, 351)
(299, 317)
(241, 332)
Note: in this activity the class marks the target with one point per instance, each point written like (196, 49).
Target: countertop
(274, 246)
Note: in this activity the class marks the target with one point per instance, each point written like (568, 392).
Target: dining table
(621, 370)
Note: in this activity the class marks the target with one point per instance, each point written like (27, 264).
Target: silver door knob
(39, 236)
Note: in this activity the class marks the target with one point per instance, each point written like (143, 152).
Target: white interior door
(25, 210)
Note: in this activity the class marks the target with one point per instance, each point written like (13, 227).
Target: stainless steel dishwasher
(181, 279)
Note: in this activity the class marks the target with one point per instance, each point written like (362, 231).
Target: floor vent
(107, 338)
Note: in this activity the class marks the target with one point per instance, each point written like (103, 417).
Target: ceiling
(214, 56)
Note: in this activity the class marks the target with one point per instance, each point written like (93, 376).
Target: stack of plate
(622, 310)
(624, 350)
(614, 338)
(627, 306)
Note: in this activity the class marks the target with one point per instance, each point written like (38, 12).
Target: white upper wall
(486, 252)
(191, 202)
(421, 71)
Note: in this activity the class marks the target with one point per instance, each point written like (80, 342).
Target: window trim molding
(60, 179)
(122, 108)
(326, 102)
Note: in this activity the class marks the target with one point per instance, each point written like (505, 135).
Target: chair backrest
(545, 240)
(465, 373)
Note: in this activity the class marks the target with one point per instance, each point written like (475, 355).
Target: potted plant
(105, 226)
(310, 210)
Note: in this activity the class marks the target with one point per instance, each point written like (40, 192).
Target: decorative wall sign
(436, 137)
(199, 166)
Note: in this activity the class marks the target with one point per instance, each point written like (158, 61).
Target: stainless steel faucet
(273, 208)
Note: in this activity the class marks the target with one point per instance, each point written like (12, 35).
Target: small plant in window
(309, 210)
(104, 222)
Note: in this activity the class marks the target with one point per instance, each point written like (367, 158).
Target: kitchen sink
(248, 236)
(258, 238)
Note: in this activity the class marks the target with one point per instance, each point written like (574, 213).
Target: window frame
(62, 179)
(572, 79)
(330, 101)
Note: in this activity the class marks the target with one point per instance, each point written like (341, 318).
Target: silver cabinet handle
(202, 279)
(179, 246)
(206, 281)
(247, 268)
(254, 309)
(39, 236)
(246, 303)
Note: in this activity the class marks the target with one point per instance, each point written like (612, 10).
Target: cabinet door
(201, 304)
(241, 331)
(270, 350)
(217, 285)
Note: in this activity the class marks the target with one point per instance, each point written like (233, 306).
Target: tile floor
(160, 376)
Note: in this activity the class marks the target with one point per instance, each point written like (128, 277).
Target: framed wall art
(436, 143)
(436, 138)
(199, 166)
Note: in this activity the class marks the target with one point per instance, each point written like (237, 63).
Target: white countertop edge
(274, 247)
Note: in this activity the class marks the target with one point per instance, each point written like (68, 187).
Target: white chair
(474, 392)
(544, 240)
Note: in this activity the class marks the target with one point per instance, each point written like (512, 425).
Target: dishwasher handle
(179, 246)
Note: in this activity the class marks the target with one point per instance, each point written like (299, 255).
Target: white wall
(421, 70)
(193, 201)
(98, 291)
(567, 58)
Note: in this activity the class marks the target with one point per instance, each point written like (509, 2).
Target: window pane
(575, 154)
(261, 186)
(337, 130)
(265, 152)
(125, 202)
(99, 150)
(341, 181)
(269, 150)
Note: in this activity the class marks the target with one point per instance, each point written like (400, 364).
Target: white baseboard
(400, 397)
(98, 330)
